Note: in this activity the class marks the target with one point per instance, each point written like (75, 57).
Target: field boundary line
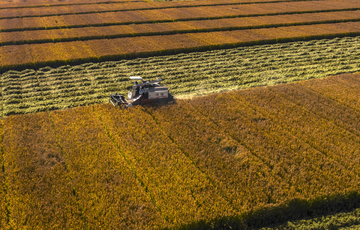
(157, 8)
(287, 131)
(130, 167)
(173, 32)
(66, 168)
(192, 161)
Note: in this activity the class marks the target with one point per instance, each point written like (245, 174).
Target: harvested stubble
(211, 161)
(186, 75)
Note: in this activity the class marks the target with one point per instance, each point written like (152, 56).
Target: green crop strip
(186, 75)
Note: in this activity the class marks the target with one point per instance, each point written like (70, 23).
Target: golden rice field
(187, 75)
(242, 159)
(264, 134)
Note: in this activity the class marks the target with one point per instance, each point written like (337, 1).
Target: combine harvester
(140, 94)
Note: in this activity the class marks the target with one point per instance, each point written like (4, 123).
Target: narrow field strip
(39, 55)
(179, 189)
(24, 27)
(45, 3)
(186, 75)
(124, 6)
(169, 15)
(168, 28)
(14, 5)
(108, 194)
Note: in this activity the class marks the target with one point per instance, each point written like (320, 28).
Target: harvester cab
(147, 92)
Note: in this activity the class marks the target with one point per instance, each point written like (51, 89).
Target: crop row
(36, 180)
(135, 6)
(160, 15)
(181, 191)
(186, 75)
(18, 56)
(133, 30)
(200, 161)
(56, 182)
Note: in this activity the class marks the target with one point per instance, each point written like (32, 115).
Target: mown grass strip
(186, 75)
(152, 7)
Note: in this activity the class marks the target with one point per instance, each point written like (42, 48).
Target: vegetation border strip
(57, 63)
(86, 38)
(150, 8)
(182, 20)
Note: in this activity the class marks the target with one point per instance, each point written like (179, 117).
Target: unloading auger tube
(145, 93)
